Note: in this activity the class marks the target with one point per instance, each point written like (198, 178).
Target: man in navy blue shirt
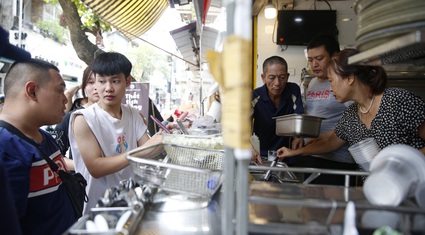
(9, 222)
(275, 98)
(34, 92)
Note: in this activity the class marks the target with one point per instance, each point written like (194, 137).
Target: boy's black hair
(111, 63)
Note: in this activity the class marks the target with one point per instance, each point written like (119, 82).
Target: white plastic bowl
(395, 174)
(364, 151)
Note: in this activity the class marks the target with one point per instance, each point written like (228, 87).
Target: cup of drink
(271, 155)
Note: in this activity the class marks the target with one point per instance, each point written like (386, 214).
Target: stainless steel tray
(112, 216)
(298, 125)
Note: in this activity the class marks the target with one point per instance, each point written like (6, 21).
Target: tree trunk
(83, 47)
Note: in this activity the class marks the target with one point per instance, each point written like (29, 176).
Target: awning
(188, 42)
(130, 17)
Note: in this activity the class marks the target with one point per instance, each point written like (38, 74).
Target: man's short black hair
(37, 63)
(330, 42)
(111, 63)
(21, 72)
(274, 60)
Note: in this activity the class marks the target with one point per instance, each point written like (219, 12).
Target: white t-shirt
(114, 136)
(321, 102)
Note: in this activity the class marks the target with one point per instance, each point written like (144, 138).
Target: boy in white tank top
(102, 134)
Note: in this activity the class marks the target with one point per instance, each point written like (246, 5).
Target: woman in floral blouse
(389, 115)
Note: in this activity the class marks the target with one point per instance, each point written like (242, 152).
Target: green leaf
(90, 19)
(52, 29)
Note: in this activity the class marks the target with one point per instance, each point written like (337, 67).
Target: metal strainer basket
(187, 170)
(197, 157)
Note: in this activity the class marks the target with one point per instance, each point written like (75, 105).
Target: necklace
(370, 106)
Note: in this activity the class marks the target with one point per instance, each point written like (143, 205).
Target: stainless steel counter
(285, 208)
(306, 209)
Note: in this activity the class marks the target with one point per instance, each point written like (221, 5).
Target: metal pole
(20, 17)
(202, 109)
(228, 210)
(238, 24)
(243, 157)
(228, 199)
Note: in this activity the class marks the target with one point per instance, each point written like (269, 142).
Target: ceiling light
(270, 10)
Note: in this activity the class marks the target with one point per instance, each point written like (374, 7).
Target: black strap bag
(75, 182)
(76, 187)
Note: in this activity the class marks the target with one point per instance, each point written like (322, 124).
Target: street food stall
(179, 191)
(206, 184)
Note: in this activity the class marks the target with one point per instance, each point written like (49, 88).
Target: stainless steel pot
(301, 125)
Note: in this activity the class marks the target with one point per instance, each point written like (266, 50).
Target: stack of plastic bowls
(364, 151)
(390, 183)
(395, 174)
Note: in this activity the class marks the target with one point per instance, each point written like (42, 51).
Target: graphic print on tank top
(122, 145)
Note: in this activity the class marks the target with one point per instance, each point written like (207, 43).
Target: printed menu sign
(137, 96)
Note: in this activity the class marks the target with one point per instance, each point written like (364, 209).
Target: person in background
(34, 92)
(389, 115)
(69, 93)
(102, 134)
(320, 102)
(153, 128)
(79, 100)
(275, 98)
(92, 96)
(214, 110)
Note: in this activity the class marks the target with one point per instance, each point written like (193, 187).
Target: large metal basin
(298, 125)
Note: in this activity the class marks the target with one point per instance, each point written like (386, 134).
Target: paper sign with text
(137, 95)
